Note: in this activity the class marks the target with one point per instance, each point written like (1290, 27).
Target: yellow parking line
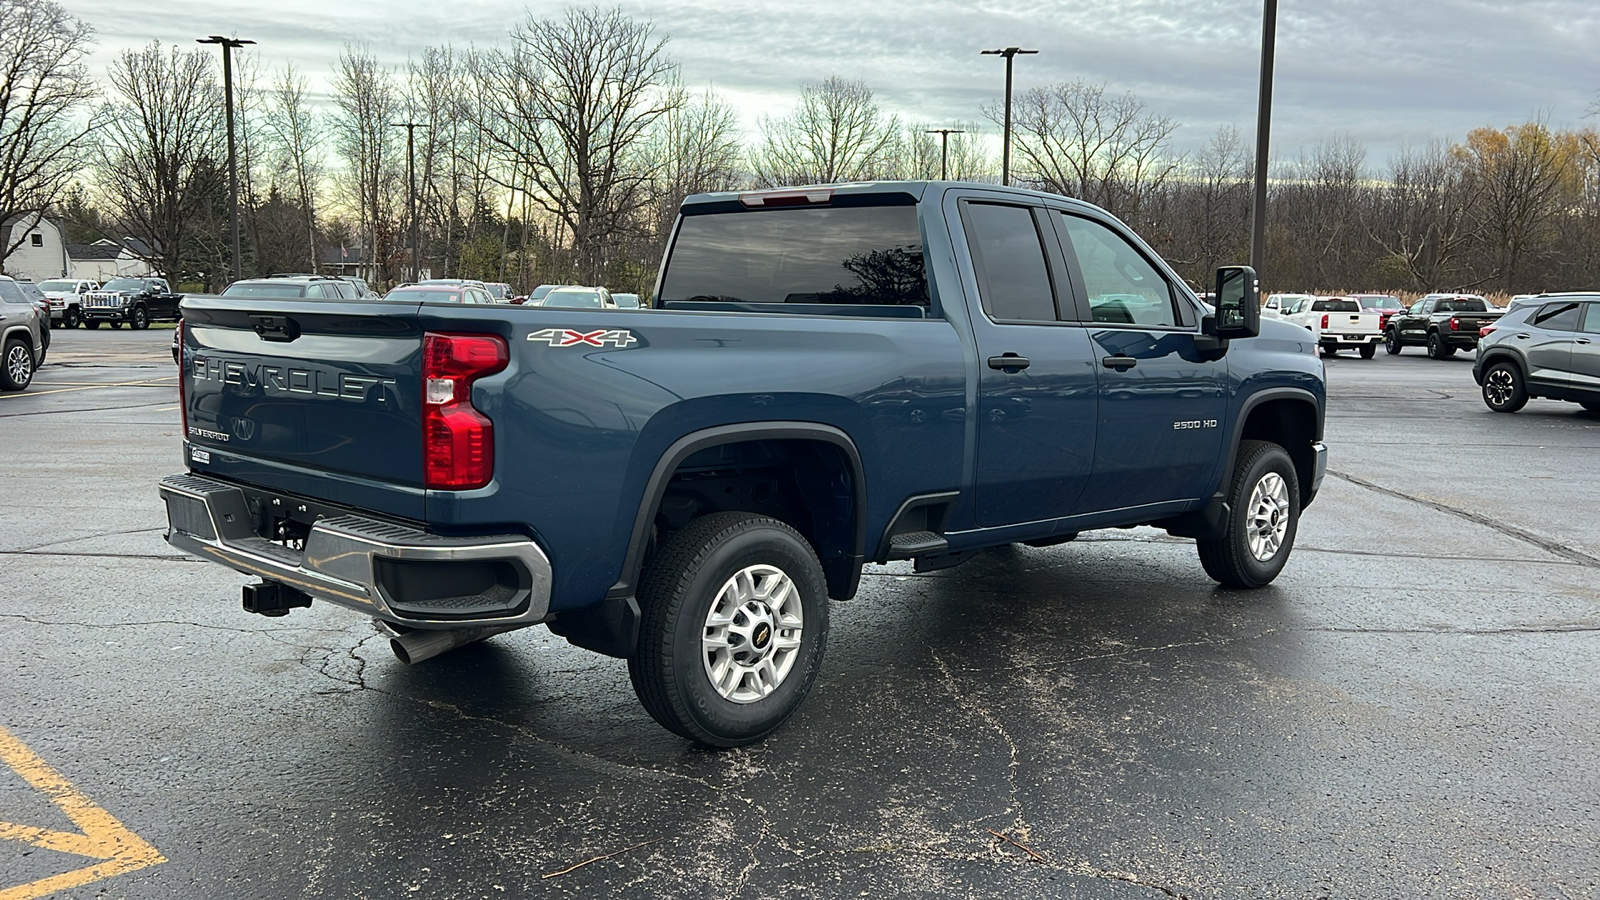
(102, 837)
(150, 383)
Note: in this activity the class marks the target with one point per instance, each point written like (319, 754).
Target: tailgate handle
(279, 329)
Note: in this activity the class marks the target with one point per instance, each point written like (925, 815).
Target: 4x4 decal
(567, 337)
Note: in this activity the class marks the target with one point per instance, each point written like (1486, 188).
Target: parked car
(22, 335)
(573, 297)
(500, 291)
(1272, 308)
(687, 491)
(1338, 323)
(360, 292)
(66, 299)
(1385, 305)
(311, 287)
(42, 306)
(1444, 323)
(536, 296)
(431, 292)
(1550, 349)
(134, 301)
(626, 301)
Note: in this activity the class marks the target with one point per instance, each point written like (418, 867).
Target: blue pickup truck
(825, 377)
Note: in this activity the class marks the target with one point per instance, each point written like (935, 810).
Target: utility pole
(228, 46)
(1005, 144)
(411, 181)
(944, 148)
(1258, 215)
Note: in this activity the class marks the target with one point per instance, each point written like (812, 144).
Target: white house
(105, 259)
(41, 254)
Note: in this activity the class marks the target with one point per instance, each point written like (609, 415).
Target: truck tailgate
(284, 394)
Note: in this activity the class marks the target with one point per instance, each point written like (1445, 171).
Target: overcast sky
(1387, 72)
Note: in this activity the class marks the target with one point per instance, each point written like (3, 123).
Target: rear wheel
(1263, 517)
(1437, 348)
(1391, 342)
(1504, 389)
(16, 365)
(1368, 351)
(735, 618)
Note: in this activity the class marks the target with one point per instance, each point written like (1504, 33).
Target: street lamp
(228, 46)
(1005, 145)
(944, 147)
(411, 181)
(1258, 216)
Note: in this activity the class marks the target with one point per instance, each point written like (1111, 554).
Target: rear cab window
(1009, 258)
(856, 259)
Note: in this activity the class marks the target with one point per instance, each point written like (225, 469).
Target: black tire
(16, 365)
(1504, 388)
(70, 318)
(1368, 351)
(1391, 342)
(91, 324)
(1328, 350)
(1233, 560)
(1437, 348)
(690, 577)
(139, 319)
(114, 323)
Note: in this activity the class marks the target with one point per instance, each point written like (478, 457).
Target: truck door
(1036, 377)
(1162, 401)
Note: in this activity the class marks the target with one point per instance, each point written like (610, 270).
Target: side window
(10, 293)
(344, 290)
(1558, 317)
(1123, 287)
(316, 292)
(1008, 255)
(1591, 318)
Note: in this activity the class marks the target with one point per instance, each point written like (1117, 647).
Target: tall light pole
(944, 148)
(1258, 213)
(411, 182)
(1005, 144)
(228, 46)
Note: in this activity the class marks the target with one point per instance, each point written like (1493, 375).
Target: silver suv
(21, 337)
(1546, 349)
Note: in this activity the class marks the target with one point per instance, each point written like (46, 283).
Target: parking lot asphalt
(1411, 710)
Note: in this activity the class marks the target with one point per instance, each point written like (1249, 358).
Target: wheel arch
(1288, 417)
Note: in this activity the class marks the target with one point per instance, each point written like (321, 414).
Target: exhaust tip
(399, 651)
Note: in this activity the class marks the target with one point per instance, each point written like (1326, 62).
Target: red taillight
(1484, 331)
(1324, 323)
(458, 441)
(1455, 324)
(183, 395)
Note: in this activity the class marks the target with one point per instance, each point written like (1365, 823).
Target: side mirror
(1238, 303)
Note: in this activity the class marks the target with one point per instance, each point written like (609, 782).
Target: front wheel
(1391, 342)
(735, 618)
(139, 320)
(16, 366)
(1368, 351)
(1263, 517)
(70, 318)
(1504, 389)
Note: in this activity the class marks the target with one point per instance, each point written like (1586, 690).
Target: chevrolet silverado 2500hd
(825, 376)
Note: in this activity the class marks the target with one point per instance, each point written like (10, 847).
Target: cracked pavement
(1409, 711)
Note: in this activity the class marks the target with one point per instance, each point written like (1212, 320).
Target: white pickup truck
(1338, 322)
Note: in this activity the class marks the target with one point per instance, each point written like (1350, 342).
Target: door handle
(1009, 362)
(1583, 340)
(1120, 363)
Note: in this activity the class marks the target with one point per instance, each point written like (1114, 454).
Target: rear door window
(1558, 317)
(1591, 318)
(851, 255)
(1009, 258)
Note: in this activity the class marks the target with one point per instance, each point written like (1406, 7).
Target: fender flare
(1236, 433)
(688, 445)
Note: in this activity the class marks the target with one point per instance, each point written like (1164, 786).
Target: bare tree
(569, 107)
(1073, 139)
(962, 154)
(1207, 217)
(297, 138)
(1426, 217)
(838, 133)
(157, 164)
(367, 102)
(43, 82)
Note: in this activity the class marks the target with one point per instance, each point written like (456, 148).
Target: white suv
(21, 337)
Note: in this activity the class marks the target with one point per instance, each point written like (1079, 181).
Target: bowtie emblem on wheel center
(762, 635)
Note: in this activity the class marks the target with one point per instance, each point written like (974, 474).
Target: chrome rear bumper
(363, 563)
